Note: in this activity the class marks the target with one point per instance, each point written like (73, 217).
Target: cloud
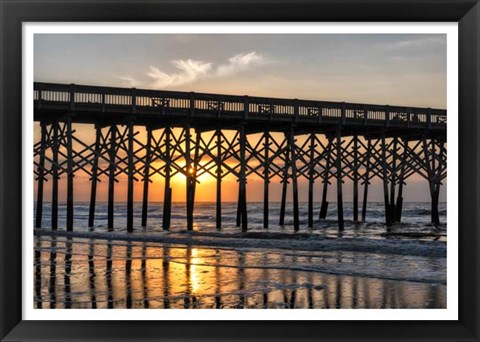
(238, 63)
(417, 42)
(189, 70)
(128, 81)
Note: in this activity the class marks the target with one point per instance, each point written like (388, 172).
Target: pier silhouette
(322, 142)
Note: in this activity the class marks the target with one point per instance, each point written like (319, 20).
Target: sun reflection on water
(99, 274)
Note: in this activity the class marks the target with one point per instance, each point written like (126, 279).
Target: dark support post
(167, 197)
(194, 175)
(41, 173)
(188, 166)
(111, 175)
(93, 190)
(401, 180)
(393, 181)
(326, 176)
(69, 175)
(432, 177)
(284, 187)
(339, 181)
(69, 146)
(385, 184)
(243, 179)
(310, 180)
(431, 171)
(441, 169)
(191, 174)
(355, 178)
(219, 178)
(167, 208)
(239, 216)
(366, 182)
(146, 177)
(266, 178)
(438, 183)
(283, 201)
(296, 220)
(435, 185)
(130, 179)
(55, 176)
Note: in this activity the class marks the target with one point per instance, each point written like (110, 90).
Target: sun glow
(179, 178)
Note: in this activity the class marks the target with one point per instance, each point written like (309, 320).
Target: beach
(363, 267)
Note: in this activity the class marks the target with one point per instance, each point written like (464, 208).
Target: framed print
(278, 167)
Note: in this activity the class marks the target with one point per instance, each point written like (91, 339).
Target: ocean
(362, 267)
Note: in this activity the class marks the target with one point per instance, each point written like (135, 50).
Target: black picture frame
(13, 13)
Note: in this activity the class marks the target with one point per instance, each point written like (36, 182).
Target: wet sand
(95, 273)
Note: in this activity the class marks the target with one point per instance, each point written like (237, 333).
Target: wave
(304, 242)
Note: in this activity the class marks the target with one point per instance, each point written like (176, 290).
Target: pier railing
(131, 100)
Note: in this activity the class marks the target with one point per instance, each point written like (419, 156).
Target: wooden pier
(321, 142)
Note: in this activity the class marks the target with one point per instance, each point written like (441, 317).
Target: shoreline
(435, 249)
(87, 272)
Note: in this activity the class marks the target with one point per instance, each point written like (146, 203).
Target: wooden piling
(193, 179)
(283, 202)
(435, 184)
(393, 181)
(188, 167)
(167, 209)
(435, 200)
(146, 177)
(429, 157)
(243, 179)
(54, 143)
(284, 187)
(430, 174)
(311, 168)
(239, 215)
(296, 219)
(366, 181)
(41, 175)
(191, 175)
(111, 175)
(326, 177)
(399, 205)
(355, 178)
(339, 181)
(441, 167)
(266, 178)
(130, 179)
(69, 174)
(218, 132)
(388, 220)
(167, 197)
(94, 180)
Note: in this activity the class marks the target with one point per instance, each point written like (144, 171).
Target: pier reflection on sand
(88, 273)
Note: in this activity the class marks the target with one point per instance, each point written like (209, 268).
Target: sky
(394, 69)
